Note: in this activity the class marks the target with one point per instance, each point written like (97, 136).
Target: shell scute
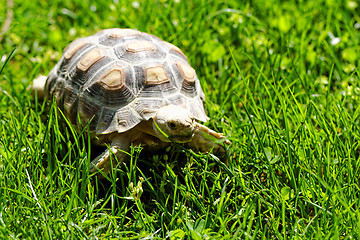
(69, 97)
(186, 71)
(157, 82)
(110, 88)
(155, 75)
(78, 78)
(104, 126)
(140, 46)
(70, 51)
(89, 59)
(127, 118)
(89, 112)
(121, 33)
(113, 78)
(132, 53)
(116, 97)
(116, 36)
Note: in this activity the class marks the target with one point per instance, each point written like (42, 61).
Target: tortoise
(130, 88)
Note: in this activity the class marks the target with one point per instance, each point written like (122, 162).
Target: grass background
(281, 80)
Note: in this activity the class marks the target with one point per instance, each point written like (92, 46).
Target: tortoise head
(175, 123)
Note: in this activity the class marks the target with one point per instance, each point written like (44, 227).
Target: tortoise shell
(119, 77)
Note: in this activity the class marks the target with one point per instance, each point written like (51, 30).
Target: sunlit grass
(281, 79)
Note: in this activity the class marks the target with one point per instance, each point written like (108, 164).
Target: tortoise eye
(172, 125)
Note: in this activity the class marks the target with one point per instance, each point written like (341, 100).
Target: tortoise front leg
(104, 162)
(205, 139)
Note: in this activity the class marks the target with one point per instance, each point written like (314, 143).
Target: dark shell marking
(120, 77)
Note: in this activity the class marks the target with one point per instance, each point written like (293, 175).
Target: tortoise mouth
(182, 138)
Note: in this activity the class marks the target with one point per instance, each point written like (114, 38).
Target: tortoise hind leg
(38, 87)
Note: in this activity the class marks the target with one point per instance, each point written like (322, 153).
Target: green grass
(281, 80)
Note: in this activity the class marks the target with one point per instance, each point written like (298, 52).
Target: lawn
(282, 81)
